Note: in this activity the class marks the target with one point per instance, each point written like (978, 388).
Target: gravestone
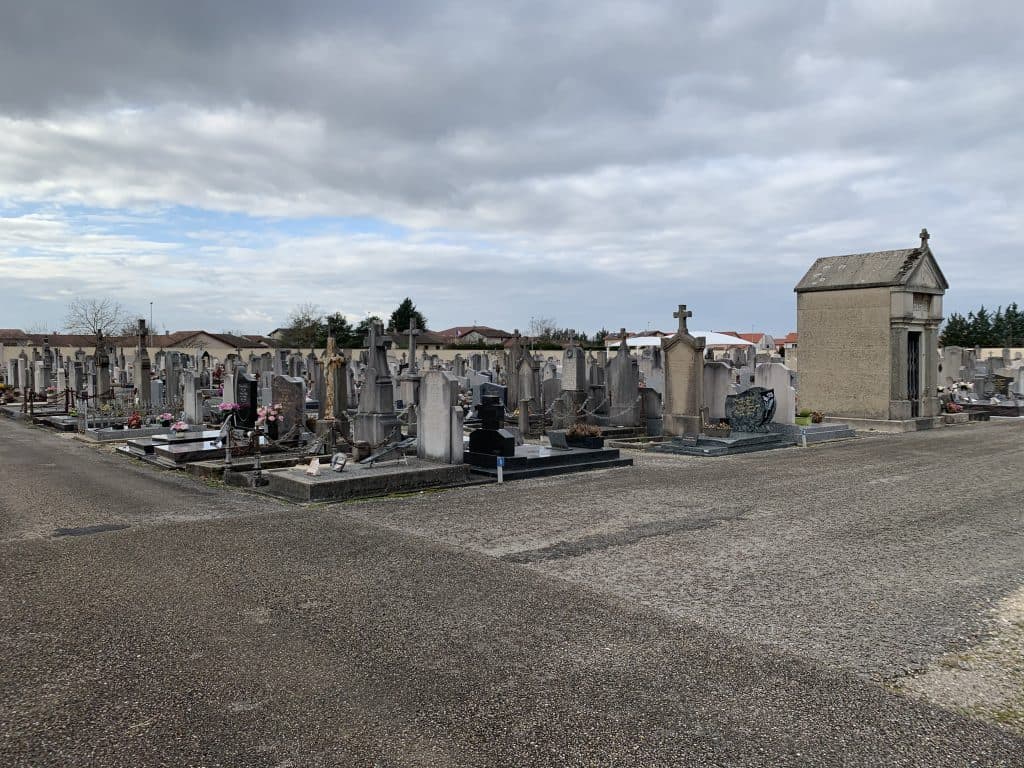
(491, 439)
(409, 382)
(156, 393)
(290, 393)
(651, 411)
(439, 419)
(513, 356)
(191, 400)
(718, 385)
(487, 389)
(102, 362)
(652, 368)
(247, 396)
(574, 370)
(750, 411)
(529, 382)
(335, 382)
(683, 357)
(142, 369)
(173, 380)
(375, 421)
(777, 377)
(623, 380)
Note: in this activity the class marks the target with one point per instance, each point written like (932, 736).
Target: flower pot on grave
(166, 423)
(803, 421)
(272, 427)
(717, 431)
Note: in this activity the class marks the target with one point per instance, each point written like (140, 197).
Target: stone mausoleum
(868, 326)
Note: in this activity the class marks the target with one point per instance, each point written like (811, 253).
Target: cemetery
(399, 415)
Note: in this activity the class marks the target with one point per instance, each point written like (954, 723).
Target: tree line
(309, 326)
(983, 328)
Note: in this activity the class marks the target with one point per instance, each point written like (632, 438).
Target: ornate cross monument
(683, 358)
(412, 333)
(142, 368)
(335, 373)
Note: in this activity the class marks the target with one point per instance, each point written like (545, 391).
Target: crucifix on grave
(682, 314)
(412, 333)
(142, 371)
(335, 419)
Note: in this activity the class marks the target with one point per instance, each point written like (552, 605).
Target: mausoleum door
(914, 372)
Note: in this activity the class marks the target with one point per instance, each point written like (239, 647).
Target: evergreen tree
(956, 333)
(1003, 328)
(399, 320)
(338, 326)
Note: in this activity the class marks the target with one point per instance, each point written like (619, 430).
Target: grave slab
(359, 481)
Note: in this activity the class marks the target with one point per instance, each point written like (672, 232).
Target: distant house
(474, 334)
(426, 341)
(787, 342)
(218, 345)
(762, 341)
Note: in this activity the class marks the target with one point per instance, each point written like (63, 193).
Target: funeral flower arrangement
(267, 413)
(180, 426)
(135, 420)
(952, 407)
(229, 407)
(582, 429)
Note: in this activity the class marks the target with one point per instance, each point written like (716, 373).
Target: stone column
(930, 404)
(899, 405)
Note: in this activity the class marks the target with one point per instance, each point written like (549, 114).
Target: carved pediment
(927, 277)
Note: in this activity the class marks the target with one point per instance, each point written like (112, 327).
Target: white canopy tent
(712, 339)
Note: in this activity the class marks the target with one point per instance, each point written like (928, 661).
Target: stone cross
(142, 333)
(622, 337)
(682, 314)
(334, 381)
(373, 339)
(412, 333)
(924, 238)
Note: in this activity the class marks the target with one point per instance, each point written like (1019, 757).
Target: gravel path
(222, 629)
(876, 556)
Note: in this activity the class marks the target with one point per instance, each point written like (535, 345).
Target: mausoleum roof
(870, 270)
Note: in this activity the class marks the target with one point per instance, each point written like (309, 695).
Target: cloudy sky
(593, 163)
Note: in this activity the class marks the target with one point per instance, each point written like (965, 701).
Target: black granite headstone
(248, 400)
(491, 438)
(750, 411)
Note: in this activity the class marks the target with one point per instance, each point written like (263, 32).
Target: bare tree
(542, 327)
(93, 316)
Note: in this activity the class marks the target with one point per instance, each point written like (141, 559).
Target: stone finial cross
(373, 337)
(412, 333)
(622, 337)
(682, 314)
(924, 238)
(332, 347)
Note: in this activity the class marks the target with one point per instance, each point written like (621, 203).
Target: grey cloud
(707, 147)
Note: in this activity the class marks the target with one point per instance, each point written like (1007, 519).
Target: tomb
(868, 327)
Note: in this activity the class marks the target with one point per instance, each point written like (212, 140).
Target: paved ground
(542, 623)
